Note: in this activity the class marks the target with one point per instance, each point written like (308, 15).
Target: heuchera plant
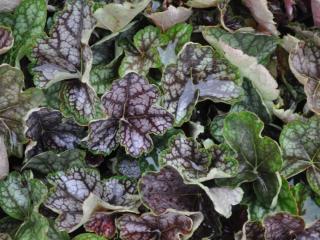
(159, 119)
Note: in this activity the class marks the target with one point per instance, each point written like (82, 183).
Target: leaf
(14, 105)
(283, 226)
(80, 101)
(259, 157)
(145, 54)
(261, 13)
(132, 117)
(102, 224)
(127, 167)
(4, 161)
(249, 68)
(59, 57)
(200, 73)
(115, 16)
(170, 17)
(71, 190)
(4, 236)
(315, 6)
(88, 236)
(8, 5)
(36, 227)
(20, 195)
(29, 21)
(78, 192)
(202, 3)
(186, 155)
(50, 161)
(166, 189)
(170, 225)
(305, 66)
(253, 231)
(9, 225)
(253, 44)
(299, 141)
(55, 234)
(6, 39)
(50, 131)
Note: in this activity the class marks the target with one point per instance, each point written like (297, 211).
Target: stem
(4, 162)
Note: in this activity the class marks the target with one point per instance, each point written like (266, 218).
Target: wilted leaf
(6, 39)
(132, 117)
(50, 131)
(20, 195)
(115, 16)
(14, 105)
(200, 73)
(50, 161)
(60, 56)
(300, 142)
(304, 63)
(144, 55)
(170, 17)
(170, 225)
(261, 13)
(259, 157)
(248, 66)
(101, 223)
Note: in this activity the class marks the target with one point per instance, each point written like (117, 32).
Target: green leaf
(29, 21)
(199, 74)
(145, 54)
(259, 157)
(88, 236)
(14, 105)
(9, 225)
(300, 142)
(50, 161)
(35, 227)
(248, 66)
(115, 16)
(20, 195)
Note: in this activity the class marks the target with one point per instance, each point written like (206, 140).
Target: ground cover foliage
(168, 120)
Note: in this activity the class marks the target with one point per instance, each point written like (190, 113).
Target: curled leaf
(200, 73)
(115, 16)
(6, 40)
(4, 161)
(132, 117)
(261, 13)
(170, 225)
(170, 17)
(50, 131)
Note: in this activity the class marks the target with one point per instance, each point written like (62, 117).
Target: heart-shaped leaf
(144, 55)
(259, 157)
(14, 105)
(300, 142)
(79, 191)
(20, 195)
(167, 190)
(132, 117)
(50, 131)
(200, 73)
(171, 225)
(6, 39)
(304, 64)
(50, 161)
